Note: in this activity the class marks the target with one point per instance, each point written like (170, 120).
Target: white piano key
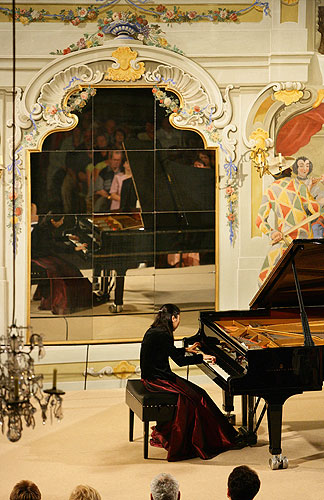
(217, 369)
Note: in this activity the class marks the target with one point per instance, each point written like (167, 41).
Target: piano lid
(279, 289)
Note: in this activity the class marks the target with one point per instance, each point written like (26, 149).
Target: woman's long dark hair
(164, 317)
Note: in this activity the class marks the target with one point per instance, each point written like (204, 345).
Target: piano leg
(274, 414)
(228, 406)
(244, 406)
(247, 428)
(251, 414)
(119, 294)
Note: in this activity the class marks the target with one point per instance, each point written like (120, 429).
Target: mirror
(123, 220)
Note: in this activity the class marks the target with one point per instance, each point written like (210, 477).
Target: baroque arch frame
(40, 110)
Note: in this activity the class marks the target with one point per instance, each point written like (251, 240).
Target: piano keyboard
(216, 373)
(219, 371)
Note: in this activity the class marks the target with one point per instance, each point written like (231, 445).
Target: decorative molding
(319, 99)
(43, 107)
(281, 92)
(259, 139)
(126, 67)
(193, 96)
(53, 93)
(122, 370)
(289, 2)
(288, 96)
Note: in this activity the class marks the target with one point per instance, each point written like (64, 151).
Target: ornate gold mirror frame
(42, 111)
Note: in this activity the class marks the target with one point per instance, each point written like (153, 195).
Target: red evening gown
(199, 428)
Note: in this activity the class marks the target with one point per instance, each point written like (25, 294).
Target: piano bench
(148, 406)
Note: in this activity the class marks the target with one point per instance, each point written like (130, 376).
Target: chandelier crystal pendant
(19, 384)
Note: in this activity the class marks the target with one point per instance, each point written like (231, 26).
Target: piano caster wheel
(115, 309)
(278, 462)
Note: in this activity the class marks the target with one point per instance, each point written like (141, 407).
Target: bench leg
(131, 424)
(146, 437)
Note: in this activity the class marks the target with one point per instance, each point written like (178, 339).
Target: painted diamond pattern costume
(291, 203)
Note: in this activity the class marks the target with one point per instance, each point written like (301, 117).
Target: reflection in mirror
(123, 220)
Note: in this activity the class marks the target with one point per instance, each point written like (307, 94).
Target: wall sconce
(260, 142)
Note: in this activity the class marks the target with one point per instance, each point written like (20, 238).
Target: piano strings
(282, 335)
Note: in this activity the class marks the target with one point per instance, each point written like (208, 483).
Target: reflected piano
(275, 349)
(176, 216)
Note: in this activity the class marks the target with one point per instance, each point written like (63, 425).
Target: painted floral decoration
(76, 102)
(162, 13)
(82, 14)
(79, 100)
(231, 196)
(171, 104)
(86, 42)
(148, 34)
(27, 16)
(15, 210)
(176, 15)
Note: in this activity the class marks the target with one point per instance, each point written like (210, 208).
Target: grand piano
(176, 214)
(274, 350)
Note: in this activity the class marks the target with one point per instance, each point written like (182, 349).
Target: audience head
(205, 158)
(164, 487)
(119, 136)
(25, 490)
(168, 318)
(101, 140)
(243, 483)
(110, 126)
(199, 164)
(115, 160)
(84, 492)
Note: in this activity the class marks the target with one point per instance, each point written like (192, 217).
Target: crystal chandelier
(19, 385)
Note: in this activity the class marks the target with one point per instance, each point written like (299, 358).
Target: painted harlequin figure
(291, 202)
(303, 168)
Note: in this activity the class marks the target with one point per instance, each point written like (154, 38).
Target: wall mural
(291, 205)
(132, 23)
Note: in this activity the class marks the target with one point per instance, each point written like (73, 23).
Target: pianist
(66, 290)
(199, 428)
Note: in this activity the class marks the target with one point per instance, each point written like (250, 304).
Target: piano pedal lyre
(278, 462)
